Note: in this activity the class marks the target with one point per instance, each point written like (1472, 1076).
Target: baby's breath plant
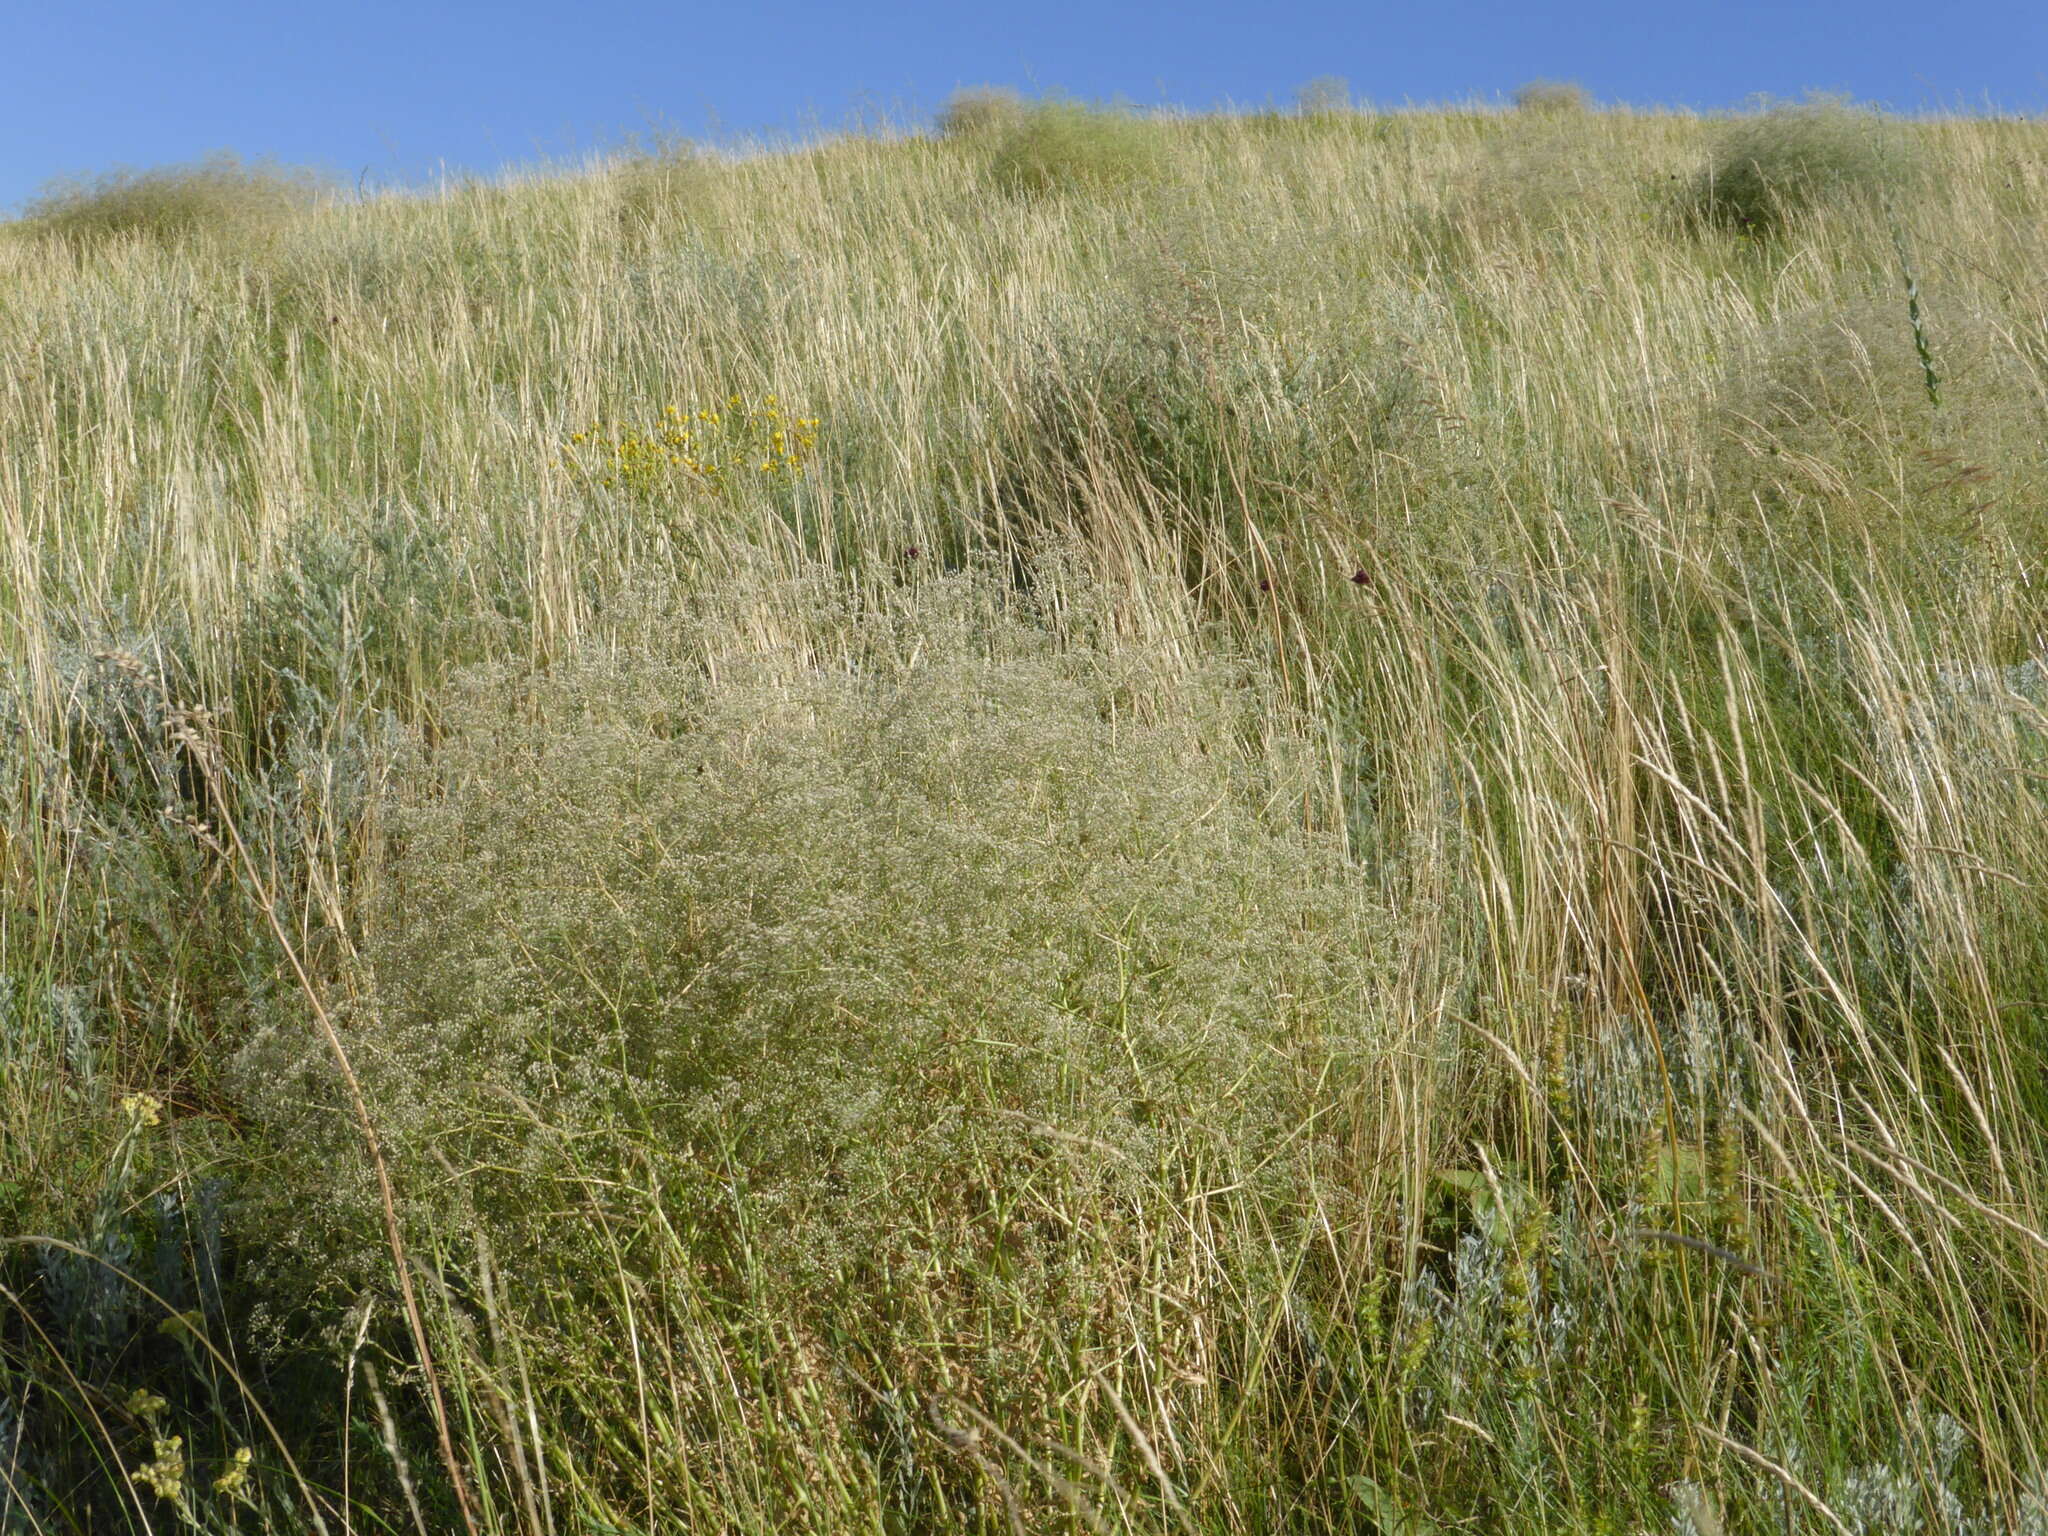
(1061, 145)
(1535, 182)
(1323, 96)
(1775, 164)
(221, 198)
(662, 186)
(980, 110)
(1824, 430)
(907, 965)
(1552, 97)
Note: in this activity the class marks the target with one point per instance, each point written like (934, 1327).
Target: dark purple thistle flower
(1361, 577)
(1265, 585)
(912, 553)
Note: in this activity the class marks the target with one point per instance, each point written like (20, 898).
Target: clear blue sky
(395, 89)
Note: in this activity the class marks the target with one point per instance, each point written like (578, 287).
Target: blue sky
(389, 91)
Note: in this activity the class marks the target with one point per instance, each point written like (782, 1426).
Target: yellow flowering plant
(234, 1482)
(699, 451)
(165, 1473)
(168, 1472)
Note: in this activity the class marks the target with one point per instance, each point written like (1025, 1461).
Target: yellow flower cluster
(706, 450)
(235, 1481)
(166, 1474)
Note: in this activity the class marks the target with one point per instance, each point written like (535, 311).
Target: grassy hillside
(1325, 823)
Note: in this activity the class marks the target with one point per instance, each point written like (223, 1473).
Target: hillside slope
(1218, 824)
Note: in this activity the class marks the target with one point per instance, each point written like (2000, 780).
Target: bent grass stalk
(194, 729)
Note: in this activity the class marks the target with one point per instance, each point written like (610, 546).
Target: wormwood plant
(139, 1412)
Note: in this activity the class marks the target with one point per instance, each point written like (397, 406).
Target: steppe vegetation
(1330, 821)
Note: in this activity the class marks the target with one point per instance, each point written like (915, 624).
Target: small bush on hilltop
(1562, 97)
(1794, 157)
(221, 197)
(1324, 96)
(980, 110)
(672, 183)
(1550, 173)
(1055, 146)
